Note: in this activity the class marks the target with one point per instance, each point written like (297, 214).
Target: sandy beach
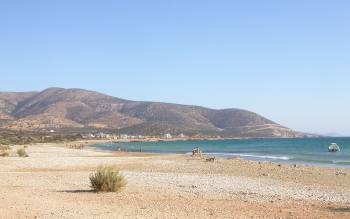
(53, 182)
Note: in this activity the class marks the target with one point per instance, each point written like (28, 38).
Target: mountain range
(78, 109)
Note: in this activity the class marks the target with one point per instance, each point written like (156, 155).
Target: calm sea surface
(305, 151)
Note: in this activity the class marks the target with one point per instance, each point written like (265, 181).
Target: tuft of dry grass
(107, 179)
(4, 150)
(22, 152)
(4, 154)
(5, 147)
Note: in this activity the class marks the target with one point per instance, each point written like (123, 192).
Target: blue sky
(286, 60)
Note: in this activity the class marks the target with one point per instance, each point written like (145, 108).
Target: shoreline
(283, 159)
(53, 182)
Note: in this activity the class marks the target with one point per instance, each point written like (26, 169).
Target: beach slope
(53, 182)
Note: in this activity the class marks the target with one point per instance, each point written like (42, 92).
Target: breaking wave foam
(250, 156)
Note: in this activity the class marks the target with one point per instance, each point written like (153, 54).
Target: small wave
(341, 162)
(251, 155)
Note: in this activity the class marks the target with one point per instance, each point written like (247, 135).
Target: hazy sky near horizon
(286, 60)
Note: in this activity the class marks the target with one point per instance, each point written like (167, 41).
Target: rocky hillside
(57, 108)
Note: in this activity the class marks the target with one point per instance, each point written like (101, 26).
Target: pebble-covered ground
(53, 182)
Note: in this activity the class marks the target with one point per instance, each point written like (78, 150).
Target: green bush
(4, 141)
(106, 179)
(22, 152)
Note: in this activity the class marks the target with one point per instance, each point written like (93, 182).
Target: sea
(306, 151)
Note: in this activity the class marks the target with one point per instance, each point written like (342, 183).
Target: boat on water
(333, 147)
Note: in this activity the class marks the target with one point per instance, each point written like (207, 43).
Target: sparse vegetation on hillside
(4, 141)
(89, 110)
(10, 137)
(107, 179)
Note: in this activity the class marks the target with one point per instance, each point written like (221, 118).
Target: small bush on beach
(22, 152)
(4, 154)
(5, 147)
(107, 179)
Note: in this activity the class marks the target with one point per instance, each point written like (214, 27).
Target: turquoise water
(305, 151)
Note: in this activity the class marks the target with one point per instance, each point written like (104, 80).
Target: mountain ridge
(59, 108)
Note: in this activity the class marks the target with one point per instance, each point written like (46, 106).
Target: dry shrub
(22, 152)
(107, 179)
(5, 147)
(4, 154)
